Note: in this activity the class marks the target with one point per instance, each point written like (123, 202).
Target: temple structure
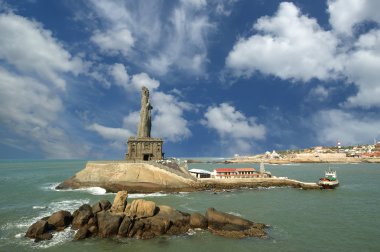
(144, 147)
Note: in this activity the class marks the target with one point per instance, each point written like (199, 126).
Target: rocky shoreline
(116, 176)
(347, 160)
(140, 219)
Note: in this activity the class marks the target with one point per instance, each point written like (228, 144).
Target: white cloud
(168, 121)
(362, 68)
(130, 122)
(349, 128)
(109, 133)
(345, 14)
(24, 102)
(120, 75)
(33, 68)
(320, 93)
(288, 45)
(161, 42)
(142, 79)
(235, 129)
(31, 49)
(293, 46)
(114, 41)
(131, 83)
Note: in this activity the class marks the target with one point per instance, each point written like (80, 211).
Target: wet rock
(108, 223)
(136, 229)
(43, 237)
(232, 226)
(142, 208)
(37, 230)
(120, 201)
(96, 208)
(60, 220)
(197, 220)
(81, 216)
(82, 233)
(176, 222)
(125, 227)
(105, 204)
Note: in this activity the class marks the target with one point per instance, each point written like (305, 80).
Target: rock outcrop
(228, 225)
(139, 177)
(140, 219)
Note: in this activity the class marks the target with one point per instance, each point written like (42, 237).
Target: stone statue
(145, 124)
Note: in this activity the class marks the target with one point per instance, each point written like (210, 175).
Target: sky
(225, 77)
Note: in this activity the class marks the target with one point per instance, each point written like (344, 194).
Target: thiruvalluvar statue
(145, 124)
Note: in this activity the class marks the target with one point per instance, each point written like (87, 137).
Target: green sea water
(345, 219)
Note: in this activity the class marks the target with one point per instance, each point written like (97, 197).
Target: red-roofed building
(236, 173)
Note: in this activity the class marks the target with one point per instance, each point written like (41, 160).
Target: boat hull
(328, 184)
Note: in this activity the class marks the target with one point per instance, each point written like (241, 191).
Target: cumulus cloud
(110, 133)
(169, 121)
(320, 93)
(114, 41)
(131, 83)
(120, 75)
(33, 68)
(362, 69)
(288, 45)
(161, 42)
(233, 127)
(293, 46)
(345, 14)
(348, 127)
(143, 79)
(31, 49)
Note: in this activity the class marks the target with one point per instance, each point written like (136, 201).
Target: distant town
(369, 153)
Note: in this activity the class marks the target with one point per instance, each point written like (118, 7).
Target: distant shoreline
(348, 160)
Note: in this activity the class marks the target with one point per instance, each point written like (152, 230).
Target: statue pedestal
(144, 148)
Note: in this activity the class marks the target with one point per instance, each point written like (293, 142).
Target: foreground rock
(140, 219)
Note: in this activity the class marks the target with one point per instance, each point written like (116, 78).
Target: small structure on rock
(144, 147)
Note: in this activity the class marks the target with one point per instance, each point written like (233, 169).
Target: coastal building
(144, 147)
(199, 173)
(227, 173)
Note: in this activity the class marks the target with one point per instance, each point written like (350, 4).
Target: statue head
(145, 91)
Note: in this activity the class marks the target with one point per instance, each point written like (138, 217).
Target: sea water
(344, 219)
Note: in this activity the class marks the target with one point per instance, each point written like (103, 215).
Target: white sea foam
(58, 238)
(20, 235)
(234, 213)
(50, 186)
(146, 195)
(191, 232)
(39, 207)
(92, 190)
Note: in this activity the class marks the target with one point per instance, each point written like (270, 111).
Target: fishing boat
(330, 180)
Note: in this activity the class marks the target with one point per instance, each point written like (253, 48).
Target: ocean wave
(39, 207)
(267, 188)
(146, 195)
(234, 213)
(58, 238)
(23, 223)
(92, 190)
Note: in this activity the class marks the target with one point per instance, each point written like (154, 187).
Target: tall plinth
(144, 147)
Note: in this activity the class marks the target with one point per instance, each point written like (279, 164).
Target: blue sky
(225, 77)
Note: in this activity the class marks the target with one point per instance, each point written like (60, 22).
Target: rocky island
(140, 219)
(145, 170)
